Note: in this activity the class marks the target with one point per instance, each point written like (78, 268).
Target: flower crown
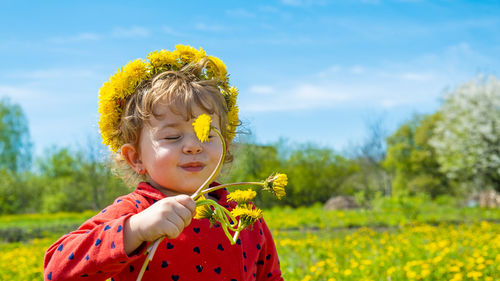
(114, 93)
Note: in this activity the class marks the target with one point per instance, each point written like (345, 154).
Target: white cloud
(131, 32)
(240, 13)
(17, 92)
(303, 2)
(209, 27)
(171, 31)
(417, 82)
(388, 103)
(295, 97)
(292, 2)
(53, 73)
(85, 36)
(409, 75)
(261, 89)
(329, 71)
(357, 69)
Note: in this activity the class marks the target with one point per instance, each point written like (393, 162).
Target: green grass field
(313, 244)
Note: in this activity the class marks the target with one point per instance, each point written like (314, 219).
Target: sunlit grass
(319, 245)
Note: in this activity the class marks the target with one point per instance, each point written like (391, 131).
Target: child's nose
(192, 146)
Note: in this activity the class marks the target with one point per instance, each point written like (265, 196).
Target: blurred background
(384, 114)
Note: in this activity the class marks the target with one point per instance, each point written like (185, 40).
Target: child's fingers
(183, 213)
(182, 216)
(175, 218)
(171, 229)
(187, 202)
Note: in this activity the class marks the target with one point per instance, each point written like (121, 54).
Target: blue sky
(308, 70)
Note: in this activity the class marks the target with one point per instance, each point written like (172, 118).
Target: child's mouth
(193, 166)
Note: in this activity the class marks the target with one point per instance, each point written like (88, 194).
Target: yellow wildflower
(162, 58)
(276, 185)
(233, 121)
(137, 70)
(247, 214)
(474, 274)
(187, 53)
(217, 68)
(203, 211)
(202, 127)
(391, 270)
(242, 196)
(206, 212)
(232, 95)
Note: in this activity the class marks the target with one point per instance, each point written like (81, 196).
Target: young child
(147, 109)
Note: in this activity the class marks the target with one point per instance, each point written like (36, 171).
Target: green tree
(73, 181)
(18, 193)
(315, 174)
(412, 160)
(15, 144)
(254, 162)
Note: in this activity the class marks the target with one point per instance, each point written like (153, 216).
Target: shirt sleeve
(96, 249)
(268, 260)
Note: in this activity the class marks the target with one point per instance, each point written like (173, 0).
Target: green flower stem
(217, 169)
(233, 219)
(237, 232)
(227, 215)
(151, 252)
(208, 190)
(205, 202)
(226, 231)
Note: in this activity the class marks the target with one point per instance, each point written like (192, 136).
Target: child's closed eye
(174, 137)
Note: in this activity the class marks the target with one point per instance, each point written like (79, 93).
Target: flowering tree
(467, 138)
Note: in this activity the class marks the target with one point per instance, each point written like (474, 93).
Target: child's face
(174, 159)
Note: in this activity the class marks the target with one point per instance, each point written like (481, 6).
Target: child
(147, 110)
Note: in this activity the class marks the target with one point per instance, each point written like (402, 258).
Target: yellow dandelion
(199, 55)
(242, 196)
(391, 270)
(120, 84)
(233, 121)
(203, 211)
(247, 215)
(474, 275)
(162, 58)
(186, 53)
(233, 94)
(217, 68)
(276, 185)
(137, 70)
(206, 212)
(202, 127)
(411, 274)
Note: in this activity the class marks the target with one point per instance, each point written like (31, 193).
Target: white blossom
(467, 139)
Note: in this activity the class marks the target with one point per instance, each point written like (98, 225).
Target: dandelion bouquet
(244, 215)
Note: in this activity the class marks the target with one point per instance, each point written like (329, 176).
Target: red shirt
(95, 251)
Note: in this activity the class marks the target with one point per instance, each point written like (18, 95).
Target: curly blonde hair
(181, 90)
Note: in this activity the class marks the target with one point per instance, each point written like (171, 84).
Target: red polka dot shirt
(95, 251)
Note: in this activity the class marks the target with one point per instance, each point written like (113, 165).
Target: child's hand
(167, 217)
